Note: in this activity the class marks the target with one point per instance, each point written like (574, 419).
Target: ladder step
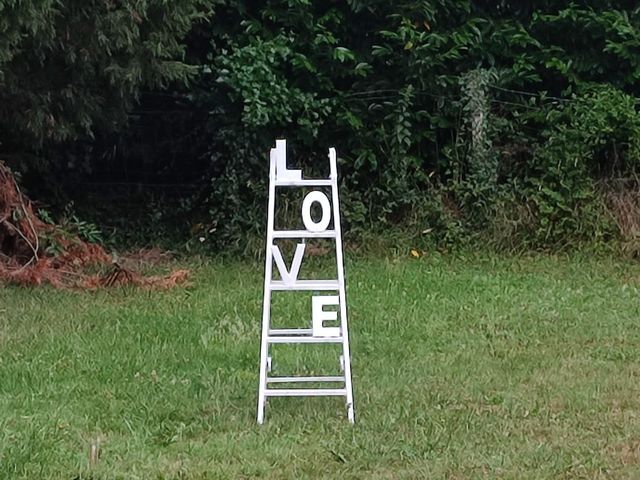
(304, 234)
(290, 331)
(305, 392)
(304, 379)
(302, 339)
(306, 285)
(319, 182)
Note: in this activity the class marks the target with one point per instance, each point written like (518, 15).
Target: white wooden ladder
(272, 386)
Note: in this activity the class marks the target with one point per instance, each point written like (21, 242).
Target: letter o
(322, 199)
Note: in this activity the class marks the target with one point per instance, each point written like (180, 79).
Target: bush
(467, 120)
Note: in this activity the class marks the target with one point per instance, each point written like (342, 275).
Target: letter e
(319, 316)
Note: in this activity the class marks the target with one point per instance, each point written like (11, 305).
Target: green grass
(463, 368)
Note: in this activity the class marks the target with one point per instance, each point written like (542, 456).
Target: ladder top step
(319, 182)
(303, 234)
(305, 392)
(306, 285)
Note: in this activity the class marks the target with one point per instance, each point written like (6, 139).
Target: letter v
(288, 276)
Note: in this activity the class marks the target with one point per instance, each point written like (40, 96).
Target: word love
(328, 310)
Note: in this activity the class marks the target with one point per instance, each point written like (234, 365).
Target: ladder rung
(303, 339)
(305, 392)
(305, 285)
(319, 182)
(304, 379)
(291, 331)
(304, 234)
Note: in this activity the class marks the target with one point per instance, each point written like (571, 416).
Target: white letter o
(322, 199)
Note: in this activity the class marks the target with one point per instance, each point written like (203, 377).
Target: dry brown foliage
(24, 260)
(624, 206)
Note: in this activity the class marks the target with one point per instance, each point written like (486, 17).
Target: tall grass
(464, 367)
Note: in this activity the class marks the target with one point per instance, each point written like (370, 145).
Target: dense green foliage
(69, 68)
(505, 120)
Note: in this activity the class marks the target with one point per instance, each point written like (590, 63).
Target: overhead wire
(390, 94)
(531, 94)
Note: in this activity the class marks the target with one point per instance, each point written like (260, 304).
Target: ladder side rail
(341, 282)
(266, 304)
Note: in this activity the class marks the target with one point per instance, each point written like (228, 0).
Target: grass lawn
(463, 368)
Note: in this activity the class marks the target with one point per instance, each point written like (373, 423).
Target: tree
(70, 67)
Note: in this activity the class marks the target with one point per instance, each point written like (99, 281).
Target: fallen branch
(24, 260)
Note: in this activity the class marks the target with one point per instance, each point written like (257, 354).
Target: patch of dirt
(627, 453)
